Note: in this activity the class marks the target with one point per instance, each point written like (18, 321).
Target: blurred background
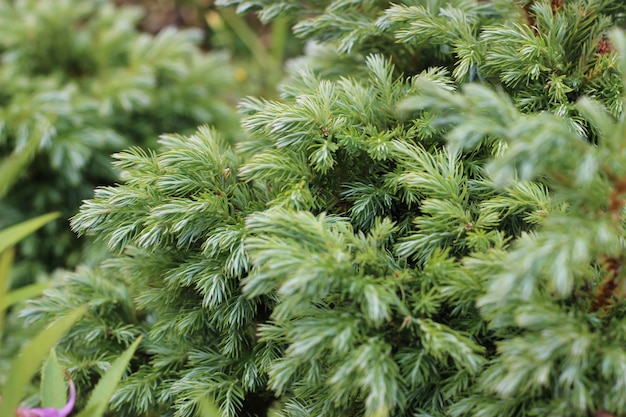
(82, 80)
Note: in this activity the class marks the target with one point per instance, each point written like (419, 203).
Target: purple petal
(51, 412)
(38, 412)
(65, 411)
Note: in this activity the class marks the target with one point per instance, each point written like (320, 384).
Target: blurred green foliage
(80, 81)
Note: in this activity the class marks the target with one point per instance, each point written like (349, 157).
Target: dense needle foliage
(429, 222)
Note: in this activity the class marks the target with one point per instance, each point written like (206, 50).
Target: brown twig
(605, 46)
(617, 197)
(607, 288)
(555, 6)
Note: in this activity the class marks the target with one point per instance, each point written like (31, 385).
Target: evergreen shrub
(429, 222)
(81, 82)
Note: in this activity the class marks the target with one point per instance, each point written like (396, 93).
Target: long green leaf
(53, 392)
(248, 37)
(22, 294)
(103, 392)
(27, 363)
(12, 166)
(13, 234)
(6, 260)
(207, 409)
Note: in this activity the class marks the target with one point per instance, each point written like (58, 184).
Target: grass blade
(13, 234)
(14, 165)
(53, 392)
(207, 409)
(6, 260)
(23, 294)
(27, 363)
(103, 392)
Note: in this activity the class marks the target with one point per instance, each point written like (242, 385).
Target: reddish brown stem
(607, 288)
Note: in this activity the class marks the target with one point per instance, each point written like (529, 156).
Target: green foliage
(27, 363)
(11, 168)
(390, 239)
(9, 237)
(12, 235)
(554, 300)
(211, 202)
(52, 383)
(79, 83)
(259, 51)
(101, 395)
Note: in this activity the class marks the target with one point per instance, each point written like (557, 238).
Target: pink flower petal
(51, 412)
